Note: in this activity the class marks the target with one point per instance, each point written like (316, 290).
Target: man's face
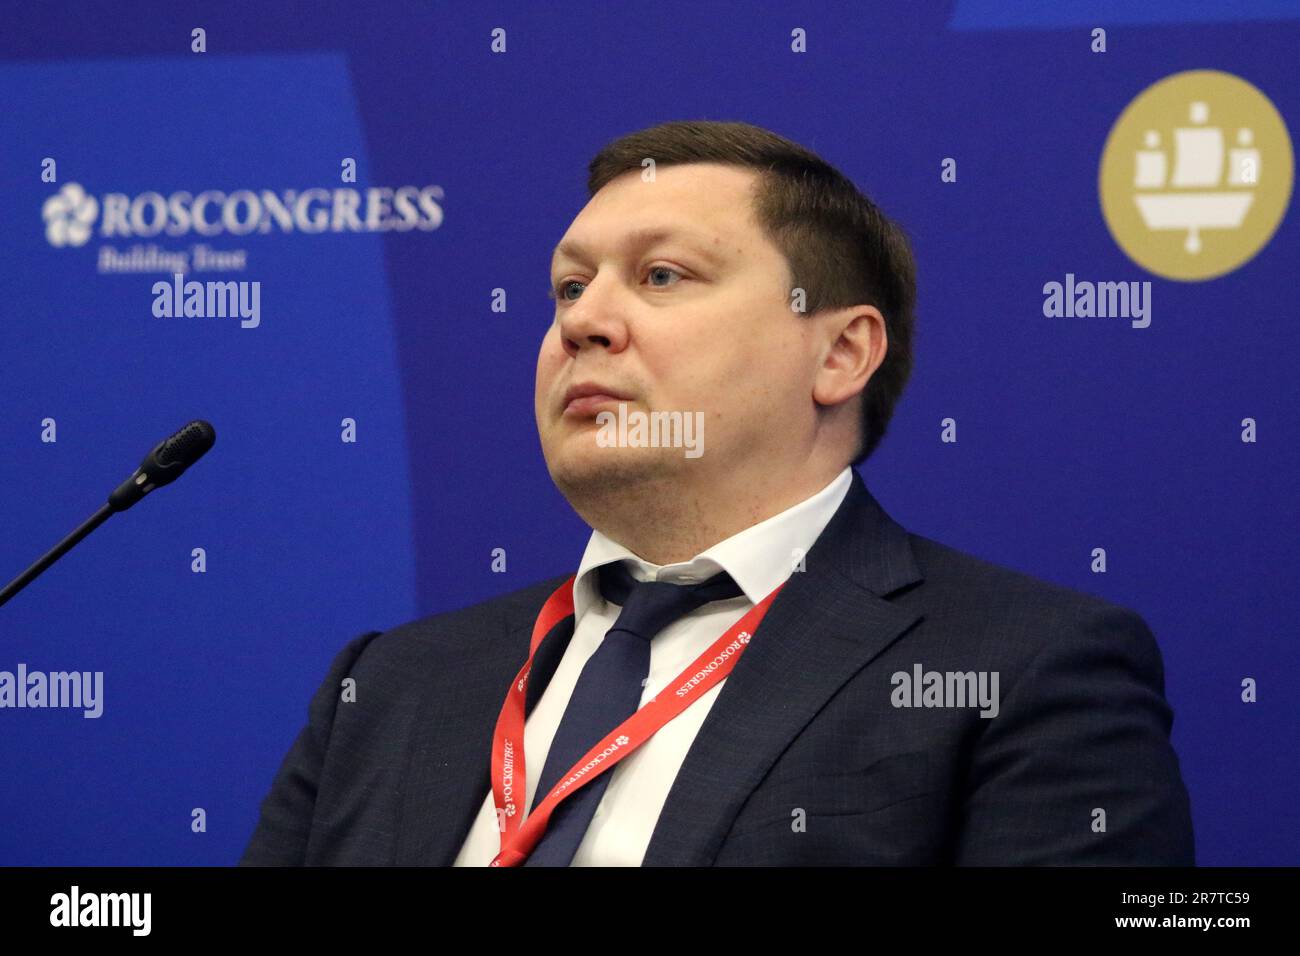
(669, 294)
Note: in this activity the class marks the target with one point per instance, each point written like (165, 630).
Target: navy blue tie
(609, 691)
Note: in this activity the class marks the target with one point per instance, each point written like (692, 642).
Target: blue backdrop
(376, 306)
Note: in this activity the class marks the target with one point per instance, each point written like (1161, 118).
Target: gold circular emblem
(1196, 175)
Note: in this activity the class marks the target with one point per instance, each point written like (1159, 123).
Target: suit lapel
(827, 623)
(444, 796)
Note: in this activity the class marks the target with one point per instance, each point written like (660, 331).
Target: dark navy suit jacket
(803, 759)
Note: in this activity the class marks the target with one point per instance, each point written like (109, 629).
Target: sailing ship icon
(1194, 199)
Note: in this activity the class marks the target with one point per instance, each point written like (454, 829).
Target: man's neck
(668, 524)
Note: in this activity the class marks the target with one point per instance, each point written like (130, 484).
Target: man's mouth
(585, 399)
(589, 405)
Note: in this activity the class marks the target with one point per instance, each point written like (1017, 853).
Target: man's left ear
(856, 343)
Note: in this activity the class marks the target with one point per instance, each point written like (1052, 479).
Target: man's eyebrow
(644, 237)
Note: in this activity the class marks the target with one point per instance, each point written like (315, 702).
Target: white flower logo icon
(69, 215)
(621, 740)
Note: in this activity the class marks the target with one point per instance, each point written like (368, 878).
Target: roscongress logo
(72, 214)
(69, 216)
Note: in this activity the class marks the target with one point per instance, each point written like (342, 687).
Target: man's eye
(559, 291)
(561, 287)
(654, 269)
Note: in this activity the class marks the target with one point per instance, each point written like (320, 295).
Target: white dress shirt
(759, 559)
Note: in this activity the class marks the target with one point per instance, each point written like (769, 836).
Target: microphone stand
(58, 551)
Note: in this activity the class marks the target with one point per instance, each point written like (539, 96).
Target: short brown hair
(841, 249)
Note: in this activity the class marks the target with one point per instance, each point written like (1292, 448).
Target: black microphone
(167, 462)
(163, 465)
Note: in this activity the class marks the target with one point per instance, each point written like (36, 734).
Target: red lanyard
(509, 777)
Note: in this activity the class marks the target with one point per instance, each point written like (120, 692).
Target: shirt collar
(758, 558)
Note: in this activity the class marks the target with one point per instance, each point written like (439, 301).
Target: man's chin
(581, 468)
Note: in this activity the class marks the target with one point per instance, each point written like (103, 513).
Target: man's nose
(593, 319)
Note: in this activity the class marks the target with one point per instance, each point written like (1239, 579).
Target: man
(896, 702)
